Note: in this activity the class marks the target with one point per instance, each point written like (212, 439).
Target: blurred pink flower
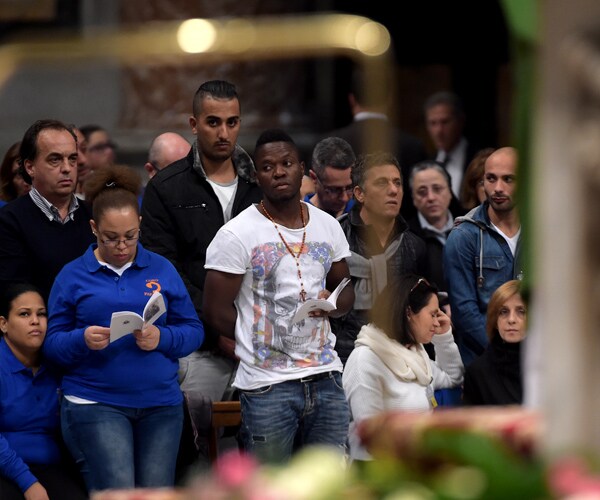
(571, 476)
(233, 469)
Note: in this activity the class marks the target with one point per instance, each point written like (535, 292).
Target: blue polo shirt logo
(154, 285)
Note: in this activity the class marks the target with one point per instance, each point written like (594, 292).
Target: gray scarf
(371, 275)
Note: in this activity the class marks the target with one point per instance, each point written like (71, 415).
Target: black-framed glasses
(128, 242)
(419, 281)
(336, 190)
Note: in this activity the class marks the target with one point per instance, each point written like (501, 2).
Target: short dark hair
(11, 291)
(218, 89)
(446, 97)
(116, 186)
(367, 96)
(389, 311)
(332, 152)
(88, 130)
(29, 150)
(274, 135)
(425, 165)
(368, 161)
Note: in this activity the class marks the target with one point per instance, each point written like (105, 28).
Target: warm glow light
(245, 35)
(372, 39)
(196, 35)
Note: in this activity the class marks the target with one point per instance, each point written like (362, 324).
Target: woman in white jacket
(389, 368)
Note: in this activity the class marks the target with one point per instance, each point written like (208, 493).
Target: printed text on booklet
(124, 322)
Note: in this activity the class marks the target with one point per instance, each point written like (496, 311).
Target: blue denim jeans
(117, 447)
(279, 418)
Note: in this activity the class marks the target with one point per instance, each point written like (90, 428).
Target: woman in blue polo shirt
(32, 464)
(122, 411)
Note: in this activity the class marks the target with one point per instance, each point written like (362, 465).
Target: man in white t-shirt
(482, 252)
(261, 266)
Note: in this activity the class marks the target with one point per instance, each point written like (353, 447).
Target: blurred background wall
(437, 45)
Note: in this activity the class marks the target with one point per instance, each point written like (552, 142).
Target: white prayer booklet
(125, 322)
(328, 304)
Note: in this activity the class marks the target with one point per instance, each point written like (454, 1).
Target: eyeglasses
(96, 148)
(435, 189)
(419, 281)
(335, 190)
(113, 243)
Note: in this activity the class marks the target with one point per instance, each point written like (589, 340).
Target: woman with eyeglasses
(389, 368)
(494, 378)
(122, 412)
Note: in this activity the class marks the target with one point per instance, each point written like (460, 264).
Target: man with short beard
(482, 252)
(184, 206)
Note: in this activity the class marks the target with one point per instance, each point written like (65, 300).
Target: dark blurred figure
(445, 120)
(101, 150)
(83, 167)
(372, 130)
(12, 184)
(472, 193)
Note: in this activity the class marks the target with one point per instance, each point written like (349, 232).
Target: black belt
(318, 376)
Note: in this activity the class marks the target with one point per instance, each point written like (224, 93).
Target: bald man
(482, 252)
(165, 149)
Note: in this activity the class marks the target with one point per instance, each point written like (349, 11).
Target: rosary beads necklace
(289, 249)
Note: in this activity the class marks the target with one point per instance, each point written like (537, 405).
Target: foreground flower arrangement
(451, 454)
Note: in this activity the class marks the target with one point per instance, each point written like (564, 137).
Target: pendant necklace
(296, 257)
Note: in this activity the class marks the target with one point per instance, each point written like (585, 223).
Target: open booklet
(328, 304)
(124, 322)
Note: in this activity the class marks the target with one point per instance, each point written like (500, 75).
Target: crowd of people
(236, 243)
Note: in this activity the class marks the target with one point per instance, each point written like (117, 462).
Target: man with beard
(482, 251)
(184, 206)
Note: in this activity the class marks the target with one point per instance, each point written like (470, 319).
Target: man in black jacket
(381, 244)
(185, 205)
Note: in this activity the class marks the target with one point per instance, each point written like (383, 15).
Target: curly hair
(116, 186)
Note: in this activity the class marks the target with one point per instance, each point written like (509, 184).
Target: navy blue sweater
(34, 249)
